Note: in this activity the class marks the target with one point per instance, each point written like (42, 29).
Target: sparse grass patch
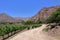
(46, 29)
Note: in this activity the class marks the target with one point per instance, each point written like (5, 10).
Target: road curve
(34, 34)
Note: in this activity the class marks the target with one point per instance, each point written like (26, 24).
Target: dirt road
(34, 34)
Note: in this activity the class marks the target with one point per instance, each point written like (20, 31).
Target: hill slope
(44, 13)
(6, 18)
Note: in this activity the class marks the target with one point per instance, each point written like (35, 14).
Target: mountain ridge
(44, 13)
(41, 15)
(7, 18)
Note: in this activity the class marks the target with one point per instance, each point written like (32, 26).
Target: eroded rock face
(44, 13)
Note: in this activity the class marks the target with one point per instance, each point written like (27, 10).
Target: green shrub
(46, 29)
(54, 17)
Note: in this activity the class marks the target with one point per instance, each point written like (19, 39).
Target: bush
(9, 28)
(46, 29)
(54, 17)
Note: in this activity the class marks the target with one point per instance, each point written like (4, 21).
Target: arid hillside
(41, 15)
(44, 13)
(6, 18)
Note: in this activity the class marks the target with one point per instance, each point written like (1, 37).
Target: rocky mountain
(44, 13)
(18, 19)
(22, 19)
(6, 18)
(41, 15)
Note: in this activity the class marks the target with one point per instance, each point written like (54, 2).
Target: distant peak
(3, 14)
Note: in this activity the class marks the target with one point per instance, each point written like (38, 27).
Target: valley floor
(34, 34)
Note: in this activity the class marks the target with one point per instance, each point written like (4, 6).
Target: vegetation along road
(34, 34)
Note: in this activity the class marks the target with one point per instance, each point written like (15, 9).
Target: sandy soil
(34, 34)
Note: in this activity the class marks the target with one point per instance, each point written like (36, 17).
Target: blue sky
(25, 8)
